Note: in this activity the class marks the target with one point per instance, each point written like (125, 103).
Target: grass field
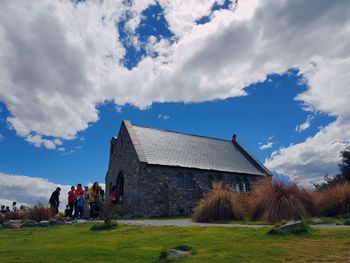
(77, 243)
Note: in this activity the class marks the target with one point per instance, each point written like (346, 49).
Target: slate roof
(162, 147)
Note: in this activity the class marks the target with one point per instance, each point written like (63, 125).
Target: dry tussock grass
(39, 212)
(219, 204)
(334, 200)
(275, 201)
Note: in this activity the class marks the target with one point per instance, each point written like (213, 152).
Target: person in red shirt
(72, 198)
(77, 193)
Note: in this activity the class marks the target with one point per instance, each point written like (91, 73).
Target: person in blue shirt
(80, 205)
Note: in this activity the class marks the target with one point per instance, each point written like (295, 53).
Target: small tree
(345, 164)
(344, 174)
(107, 213)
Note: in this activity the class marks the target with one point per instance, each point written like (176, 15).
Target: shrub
(2, 217)
(16, 215)
(334, 200)
(39, 212)
(276, 201)
(219, 204)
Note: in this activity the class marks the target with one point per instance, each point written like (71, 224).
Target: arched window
(189, 183)
(120, 183)
(180, 180)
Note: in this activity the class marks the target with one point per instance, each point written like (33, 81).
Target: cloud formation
(29, 190)
(59, 60)
(265, 146)
(305, 125)
(163, 117)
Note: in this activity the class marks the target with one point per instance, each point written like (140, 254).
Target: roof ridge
(188, 134)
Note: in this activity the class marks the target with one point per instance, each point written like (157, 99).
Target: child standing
(80, 206)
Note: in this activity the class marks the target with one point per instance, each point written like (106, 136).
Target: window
(180, 180)
(244, 186)
(247, 186)
(241, 185)
(214, 179)
(210, 181)
(219, 179)
(189, 183)
(237, 184)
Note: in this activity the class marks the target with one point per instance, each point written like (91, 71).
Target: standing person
(55, 200)
(72, 198)
(86, 207)
(113, 195)
(2, 209)
(92, 196)
(80, 206)
(77, 193)
(66, 211)
(14, 207)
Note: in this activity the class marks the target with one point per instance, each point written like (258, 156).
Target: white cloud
(38, 141)
(305, 125)
(2, 138)
(265, 146)
(29, 190)
(163, 117)
(60, 60)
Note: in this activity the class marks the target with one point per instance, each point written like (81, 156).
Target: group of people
(5, 209)
(84, 202)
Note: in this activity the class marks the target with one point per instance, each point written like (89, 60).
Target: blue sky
(71, 71)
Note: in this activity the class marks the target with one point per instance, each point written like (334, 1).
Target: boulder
(177, 253)
(292, 227)
(57, 221)
(44, 223)
(12, 224)
(30, 223)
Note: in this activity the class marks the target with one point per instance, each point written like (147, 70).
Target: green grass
(76, 243)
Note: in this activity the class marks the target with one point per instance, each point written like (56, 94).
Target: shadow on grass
(102, 226)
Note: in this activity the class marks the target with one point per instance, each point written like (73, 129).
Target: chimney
(234, 137)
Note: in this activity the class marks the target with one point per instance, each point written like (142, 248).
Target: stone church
(165, 173)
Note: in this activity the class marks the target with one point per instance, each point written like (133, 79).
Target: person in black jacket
(55, 200)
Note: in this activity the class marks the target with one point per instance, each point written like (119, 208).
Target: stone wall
(123, 160)
(161, 196)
